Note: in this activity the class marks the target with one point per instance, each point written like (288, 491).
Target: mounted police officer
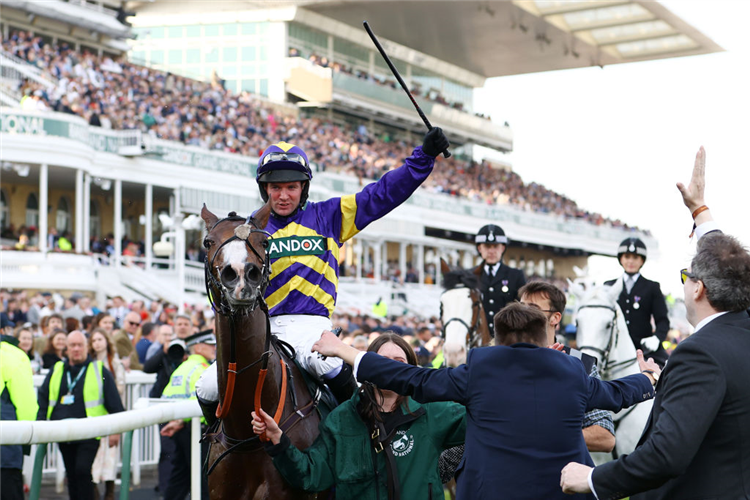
(79, 388)
(202, 348)
(641, 300)
(306, 238)
(499, 283)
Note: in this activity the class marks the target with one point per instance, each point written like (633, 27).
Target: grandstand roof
(500, 37)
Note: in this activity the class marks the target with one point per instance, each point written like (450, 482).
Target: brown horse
(237, 270)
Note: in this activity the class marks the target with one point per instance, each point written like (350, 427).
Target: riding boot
(343, 385)
(209, 409)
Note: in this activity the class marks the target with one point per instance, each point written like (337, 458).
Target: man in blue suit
(523, 428)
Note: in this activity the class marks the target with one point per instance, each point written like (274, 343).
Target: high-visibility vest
(182, 382)
(438, 361)
(93, 389)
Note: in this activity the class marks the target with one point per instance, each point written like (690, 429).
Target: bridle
(224, 307)
(472, 340)
(612, 342)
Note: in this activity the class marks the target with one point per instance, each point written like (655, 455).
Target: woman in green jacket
(346, 456)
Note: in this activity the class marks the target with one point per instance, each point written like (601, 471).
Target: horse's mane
(460, 277)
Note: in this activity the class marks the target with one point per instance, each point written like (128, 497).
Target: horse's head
(460, 313)
(237, 265)
(599, 321)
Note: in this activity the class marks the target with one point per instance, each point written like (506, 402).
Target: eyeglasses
(685, 274)
(133, 323)
(293, 157)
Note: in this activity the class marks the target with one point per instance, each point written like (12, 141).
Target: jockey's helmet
(632, 245)
(283, 162)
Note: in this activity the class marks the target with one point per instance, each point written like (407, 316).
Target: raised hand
(693, 194)
(647, 365)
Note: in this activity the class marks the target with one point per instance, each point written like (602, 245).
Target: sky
(616, 140)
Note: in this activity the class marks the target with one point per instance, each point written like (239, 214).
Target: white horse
(603, 333)
(462, 315)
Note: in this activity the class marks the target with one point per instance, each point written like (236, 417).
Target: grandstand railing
(15, 68)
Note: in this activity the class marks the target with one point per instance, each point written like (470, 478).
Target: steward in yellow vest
(17, 402)
(79, 388)
(181, 386)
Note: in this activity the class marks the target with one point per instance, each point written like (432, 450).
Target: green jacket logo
(296, 245)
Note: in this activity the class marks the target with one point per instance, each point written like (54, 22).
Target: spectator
(125, 340)
(149, 332)
(55, 350)
(104, 321)
(26, 344)
(65, 394)
(105, 462)
(118, 310)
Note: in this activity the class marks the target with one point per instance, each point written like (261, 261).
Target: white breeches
(301, 331)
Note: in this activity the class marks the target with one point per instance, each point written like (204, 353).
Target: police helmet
(491, 234)
(632, 245)
(283, 162)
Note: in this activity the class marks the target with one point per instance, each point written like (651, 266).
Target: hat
(632, 245)
(204, 337)
(5, 321)
(491, 234)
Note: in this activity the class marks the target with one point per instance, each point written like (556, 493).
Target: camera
(176, 350)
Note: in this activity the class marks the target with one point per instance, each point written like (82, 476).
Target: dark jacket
(112, 401)
(341, 455)
(522, 428)
(499, 290)
(696, 444)
(159, 363)
(650, 303)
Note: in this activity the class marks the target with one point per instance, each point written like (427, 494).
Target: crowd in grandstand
(120, 95)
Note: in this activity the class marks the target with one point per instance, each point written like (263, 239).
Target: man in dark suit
(521, 427)
(696, 443)
(640, 300)
(499, 283)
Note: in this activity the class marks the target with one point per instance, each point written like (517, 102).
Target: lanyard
(71, 385)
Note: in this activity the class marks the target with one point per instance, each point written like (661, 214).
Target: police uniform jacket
(499, 290)
(644, 301)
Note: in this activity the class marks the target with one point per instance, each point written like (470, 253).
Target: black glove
(435, 142)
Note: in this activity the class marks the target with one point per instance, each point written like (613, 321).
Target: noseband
(471, 338)
(614, 337)
(241, 233)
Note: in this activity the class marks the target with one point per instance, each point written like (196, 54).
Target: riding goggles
(293, 157)
(685, 274)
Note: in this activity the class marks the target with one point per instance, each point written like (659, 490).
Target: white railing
(12, 61)
(95, 8)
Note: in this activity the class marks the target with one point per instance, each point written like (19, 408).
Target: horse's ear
(615, 290)
(209, 218)
(444, 267)
(576, 289)
(261, 216)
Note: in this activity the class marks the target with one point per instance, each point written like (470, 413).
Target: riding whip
(446, 153)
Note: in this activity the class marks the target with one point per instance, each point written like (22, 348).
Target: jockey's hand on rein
(435, 142)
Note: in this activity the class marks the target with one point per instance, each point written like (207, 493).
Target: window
(193, 56)
(212, 55)
(248, 53)
(157, 57)
(230, 29)
(229, 71)
(32, 211)
(263, 53)
(62, 219)
(248, 85)
(230, 54)
(193, 31)
(174, 32)
(211, 30)
(248, 69)
(175, 56)
(264, 87)
(156, 32)
(249, 28)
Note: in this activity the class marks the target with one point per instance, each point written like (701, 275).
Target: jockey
(306, 238)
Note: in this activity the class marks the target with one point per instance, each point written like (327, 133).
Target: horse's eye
(264, 243)
(207, 244)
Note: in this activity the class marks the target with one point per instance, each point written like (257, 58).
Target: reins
(471, 330)
(614, 338)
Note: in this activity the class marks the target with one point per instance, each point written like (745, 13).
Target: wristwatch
(653, 374)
